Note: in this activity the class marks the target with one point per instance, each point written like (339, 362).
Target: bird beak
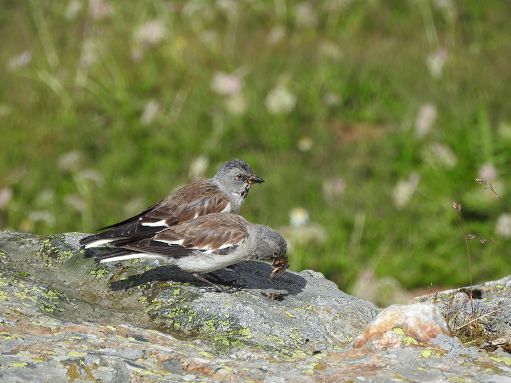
(253, 179)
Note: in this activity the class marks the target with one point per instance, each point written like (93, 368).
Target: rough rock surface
(419, 322)
(479, 314)
(63, 318)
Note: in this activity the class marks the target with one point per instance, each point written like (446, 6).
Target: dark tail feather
(104, 254)
(86, 240)
(122, 234)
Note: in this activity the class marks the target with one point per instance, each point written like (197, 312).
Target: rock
(405, 324)
(63, 318)
(479, 315)
(294, 310)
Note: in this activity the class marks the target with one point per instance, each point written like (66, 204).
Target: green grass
(370, 54)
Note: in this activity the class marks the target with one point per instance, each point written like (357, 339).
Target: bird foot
(217, 287)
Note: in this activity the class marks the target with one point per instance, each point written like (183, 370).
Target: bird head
(236, 176)
(271, 246)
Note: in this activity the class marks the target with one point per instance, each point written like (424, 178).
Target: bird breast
(202, 262)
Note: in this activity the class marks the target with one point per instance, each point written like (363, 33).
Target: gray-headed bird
(225, 192)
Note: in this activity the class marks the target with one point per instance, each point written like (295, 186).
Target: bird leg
(218, 288)
(205, 280)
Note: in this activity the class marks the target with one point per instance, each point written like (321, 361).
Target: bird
(205, 244)
(224, 192)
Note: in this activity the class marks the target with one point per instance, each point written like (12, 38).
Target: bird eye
(239, 176)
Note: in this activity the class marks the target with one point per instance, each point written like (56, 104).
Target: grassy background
(76, 79)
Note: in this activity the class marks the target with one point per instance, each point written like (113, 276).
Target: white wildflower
(75, 202)
(303, 235)
(331, 99)
(503, 227)
(198, 167)
(305, 144)
(443, 155)
(404, 190)
(298, 216)
(70, 161)
(305, 15)
(89, 53)
(190, 8)
(447, 5)
(488, 172)
(150, 33)
(41, 216)
(333, 188)
(147, 35)
(72, 9)
(151, 110)
(20, 61)
(504, 130)
(436, 61)
(91, 175)
(100, 9)
(226, 84)
(425, 119)
(229, 7)
(438, 154)
(5, 197)
(209, 38)
(280, 100)
(276, 35)
(236, 104)
(5, 110)
(45, 197)
(330, 51)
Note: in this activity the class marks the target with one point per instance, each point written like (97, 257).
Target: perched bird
(205, 244)
(225, 192)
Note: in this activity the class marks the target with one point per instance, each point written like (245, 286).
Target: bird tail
(116, 255)
(95, 240)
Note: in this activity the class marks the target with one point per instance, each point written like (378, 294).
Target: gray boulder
(295, 310)
(64, 318)
(479, 315)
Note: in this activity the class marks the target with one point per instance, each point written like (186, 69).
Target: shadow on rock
(246, 275)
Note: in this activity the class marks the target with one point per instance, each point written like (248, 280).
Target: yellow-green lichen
(502, 359)
(245, 332)
(275, 340)
(289, 314)
(76, 354)
(209, 326)
(7, 336)
(99, 273)
(409, 341)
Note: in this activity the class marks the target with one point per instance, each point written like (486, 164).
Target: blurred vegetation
(370, 116)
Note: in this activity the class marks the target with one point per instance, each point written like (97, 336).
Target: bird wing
(193, 200)
(217, 233)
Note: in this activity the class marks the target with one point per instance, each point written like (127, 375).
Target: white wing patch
(179, 242)
(100, 242)
(163, 222)
(227, 208)
(129, 256)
